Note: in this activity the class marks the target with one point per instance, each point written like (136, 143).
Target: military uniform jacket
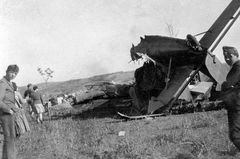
(7, 97)
(233, 77)
(231, 87)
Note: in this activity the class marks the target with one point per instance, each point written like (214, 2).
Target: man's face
(10, 75)
(229, 58)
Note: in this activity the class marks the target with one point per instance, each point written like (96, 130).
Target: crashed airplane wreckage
(101, 93)
(179, 75)
(172, 66)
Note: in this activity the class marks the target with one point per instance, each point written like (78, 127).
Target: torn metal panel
(161, 49)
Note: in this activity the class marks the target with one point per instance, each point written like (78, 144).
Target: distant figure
(22, 120)
(59, 100)
(37, 104)
(8, 113)
(232, 89)
(27, 93)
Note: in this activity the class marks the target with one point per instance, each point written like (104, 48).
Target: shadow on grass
(228, 153)
(183, 156)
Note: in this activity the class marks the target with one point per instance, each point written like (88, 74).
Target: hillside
(74, 85)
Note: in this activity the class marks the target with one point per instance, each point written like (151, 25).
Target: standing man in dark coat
(8, 112)
(27, 93)
(232, 98)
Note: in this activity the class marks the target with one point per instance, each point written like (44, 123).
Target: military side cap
(230, 49)
(13, 68)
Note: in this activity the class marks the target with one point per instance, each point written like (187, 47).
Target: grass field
(94, 134)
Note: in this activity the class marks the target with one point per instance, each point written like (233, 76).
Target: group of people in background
(34, 102)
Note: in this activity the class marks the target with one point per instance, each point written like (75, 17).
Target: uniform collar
(8, 82)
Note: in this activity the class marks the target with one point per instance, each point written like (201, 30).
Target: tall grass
(189, 136)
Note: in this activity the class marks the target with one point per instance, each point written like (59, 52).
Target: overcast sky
(79, 39)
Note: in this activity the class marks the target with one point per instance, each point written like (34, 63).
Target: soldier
(232, 98)
(8, 112)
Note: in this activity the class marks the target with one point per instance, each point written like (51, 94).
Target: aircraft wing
(214, 31)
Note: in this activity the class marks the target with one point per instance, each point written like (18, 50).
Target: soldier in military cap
(232, 98)
(8, 112)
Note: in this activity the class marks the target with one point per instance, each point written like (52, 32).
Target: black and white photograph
(119, 79)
